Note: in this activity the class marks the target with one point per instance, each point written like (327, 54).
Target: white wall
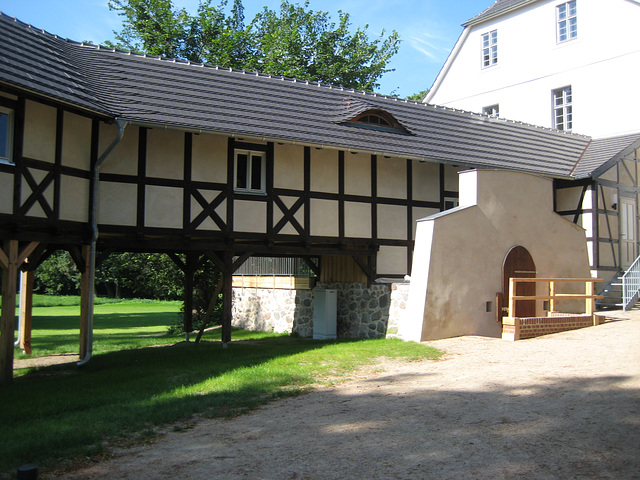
(600, 66)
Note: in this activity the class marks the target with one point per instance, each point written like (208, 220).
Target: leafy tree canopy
(418, 97)
(294, 41)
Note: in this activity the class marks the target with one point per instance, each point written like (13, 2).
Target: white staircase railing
(631, 284)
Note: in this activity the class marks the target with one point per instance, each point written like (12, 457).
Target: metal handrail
(631, 284)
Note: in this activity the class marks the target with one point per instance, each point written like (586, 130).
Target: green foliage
(139, 275)
(127, 393)
(294, 41)
(57, 275)
(418, 97)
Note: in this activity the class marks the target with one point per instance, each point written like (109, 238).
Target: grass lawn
(57, 415)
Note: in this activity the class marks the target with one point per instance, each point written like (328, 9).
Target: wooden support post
(9, 263)
(590, 301)
(512, 301)
(189, 274)
(227, 297)
(85, 292)
(26, 310)
(552, 294)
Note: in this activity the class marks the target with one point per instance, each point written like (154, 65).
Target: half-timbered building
(103, 151)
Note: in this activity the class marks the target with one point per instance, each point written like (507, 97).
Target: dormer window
(378, 120)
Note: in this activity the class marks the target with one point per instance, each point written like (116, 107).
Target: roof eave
(498, 13)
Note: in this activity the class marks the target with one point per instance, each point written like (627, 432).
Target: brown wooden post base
(26, 310)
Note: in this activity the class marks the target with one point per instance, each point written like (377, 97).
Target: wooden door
(517, 264)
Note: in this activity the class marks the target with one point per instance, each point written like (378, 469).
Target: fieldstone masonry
(363, 312)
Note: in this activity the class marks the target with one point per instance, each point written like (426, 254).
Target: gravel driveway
(562, 406)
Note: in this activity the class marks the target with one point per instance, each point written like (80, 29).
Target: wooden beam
(26, 309)
(10, 266)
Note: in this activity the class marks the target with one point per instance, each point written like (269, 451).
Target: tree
(294, 42)
(418, 97)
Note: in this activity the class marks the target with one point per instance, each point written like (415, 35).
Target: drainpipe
(95, 180)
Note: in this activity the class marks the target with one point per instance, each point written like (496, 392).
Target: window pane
(241, 174)
(256, 172)
(4, 135)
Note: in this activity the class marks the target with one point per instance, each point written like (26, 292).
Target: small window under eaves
(377, 120)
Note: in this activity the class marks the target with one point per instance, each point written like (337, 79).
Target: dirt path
(562, 406)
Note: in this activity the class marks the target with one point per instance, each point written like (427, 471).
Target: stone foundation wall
(273, 310)
(399, 301)
(363, 312)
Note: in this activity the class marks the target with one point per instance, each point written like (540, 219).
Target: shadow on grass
(64, 410)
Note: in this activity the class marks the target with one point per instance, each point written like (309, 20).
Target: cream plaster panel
(124, 157)
(392, 222)
(76, 141)
(209, 158)
(608, 198)
(288, 167)
(163, 207)
(196, 209)
(568, 198)
(324, 218)
(324, 170)
(6, 193)
(288, 229)
(117, 205)
(250, 216)
(451, 181)
(39, 132)
(392, 177)
(608, 223)
(392, 261)
(36, 210)
(624, 176)
(611, 174)
(357, 174)
(357, 221)
(74, 201)
(165, 154)
(426, 181)
(607, 255)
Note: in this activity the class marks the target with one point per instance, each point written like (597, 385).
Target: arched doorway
(518, 263)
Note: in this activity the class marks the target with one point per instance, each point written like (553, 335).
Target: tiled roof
(603, 152)
(497, 8)
(159, 92)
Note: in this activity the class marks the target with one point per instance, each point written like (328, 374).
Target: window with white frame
(250, 171)
(489, 48)
(492, 110)
(6, 135)
(567, 21)
(562, 109)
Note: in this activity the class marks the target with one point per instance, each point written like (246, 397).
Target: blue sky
(428, 28)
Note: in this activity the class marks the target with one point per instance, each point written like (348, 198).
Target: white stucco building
(570, 65)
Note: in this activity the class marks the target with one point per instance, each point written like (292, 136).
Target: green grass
(59, 413)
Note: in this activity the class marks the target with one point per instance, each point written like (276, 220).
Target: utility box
(325, 313)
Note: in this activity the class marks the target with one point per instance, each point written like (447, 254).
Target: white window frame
(489, 44)
(7, 157)
(563, 108)
(492, 110)
(567, 21)
(249, 188)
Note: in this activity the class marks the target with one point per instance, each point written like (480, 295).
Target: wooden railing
(589, 296)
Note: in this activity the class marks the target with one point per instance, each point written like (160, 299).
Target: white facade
(601, 65)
